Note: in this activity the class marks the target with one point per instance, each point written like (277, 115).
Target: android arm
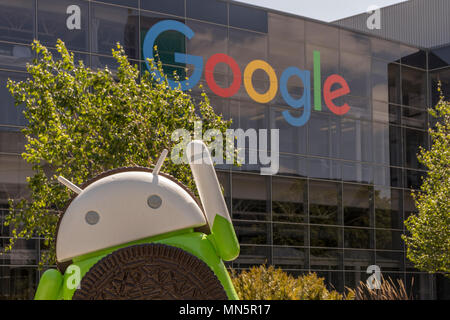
(213, 203)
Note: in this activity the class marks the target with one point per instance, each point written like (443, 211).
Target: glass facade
(338, 202)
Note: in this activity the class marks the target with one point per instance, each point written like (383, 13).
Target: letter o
(248, 73)
(209, 75)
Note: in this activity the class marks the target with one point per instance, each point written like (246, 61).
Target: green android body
(54, 286)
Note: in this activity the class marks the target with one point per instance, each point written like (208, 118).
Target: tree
(428, 244)
(268, 283)
(82, 122)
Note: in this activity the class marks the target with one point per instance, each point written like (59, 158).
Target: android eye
(92, 217)
(154, 201)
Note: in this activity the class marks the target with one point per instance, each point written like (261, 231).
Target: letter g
(197, 61)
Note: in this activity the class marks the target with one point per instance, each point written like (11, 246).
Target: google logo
(330, 92)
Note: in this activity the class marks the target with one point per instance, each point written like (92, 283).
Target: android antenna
(69, 185)
(161, 159)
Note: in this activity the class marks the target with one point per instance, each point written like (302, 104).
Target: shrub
(268, 283)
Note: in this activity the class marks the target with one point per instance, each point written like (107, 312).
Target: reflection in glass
(390, 261)
(386, 50)
(388, 240)
(358, 78)
(253, 256)
(248, 18)
(354, 42)
(52, 24)
(357, 200)
(17, 19)
(18, 282)
(292, 139)
(356, 139)
(414, 139)
(394, 85)
(9, 113)
(286, 42)
(325, 259)
(289, 197)
(414, 87)
(207, 10)
(358, 238)
(289, 258)
(245, 46)
(324, 202)
(252, 232)
(175, 7)
(358, 260)
(416, 118)
(388, 208)
(289, 234)
(380, 80)
(395, 146)
(323, 135)
(15, 56)
(111, 25)
(250, 200)
(321, 34)
(321, 236)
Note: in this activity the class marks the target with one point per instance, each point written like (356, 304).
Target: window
(207, 10)
(322, 34)
(358, 78)
(354, 42)
(286, 42)
(252, 232)
(357, 200)
(248, 18)
(324, 202)
(356, 139)
(386, 50)
(54, 22)
(388, 208)
(389, 240)
(414, 139)
(321, 236)
(390, 261)
(17, 19)
(175, 7)
(414, 57)
(288, 200)
(245, 46)
(15, 56)
(323, 134)
(289, 258)
(414, 87)
(289, 234)
(111, 25)
(249, 193)
(358, 238)
(12, 140)
(9, 113)
(416, 118)
(395, 146)
(379, 78)
(394, 84)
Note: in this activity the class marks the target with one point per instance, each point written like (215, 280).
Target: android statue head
(130, 222)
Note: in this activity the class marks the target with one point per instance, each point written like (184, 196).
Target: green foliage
(268, 283)
(428, 244)
(82, 122)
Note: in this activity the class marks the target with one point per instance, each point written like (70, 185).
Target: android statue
(137, 233)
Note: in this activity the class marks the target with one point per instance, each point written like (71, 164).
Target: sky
(325, 10)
